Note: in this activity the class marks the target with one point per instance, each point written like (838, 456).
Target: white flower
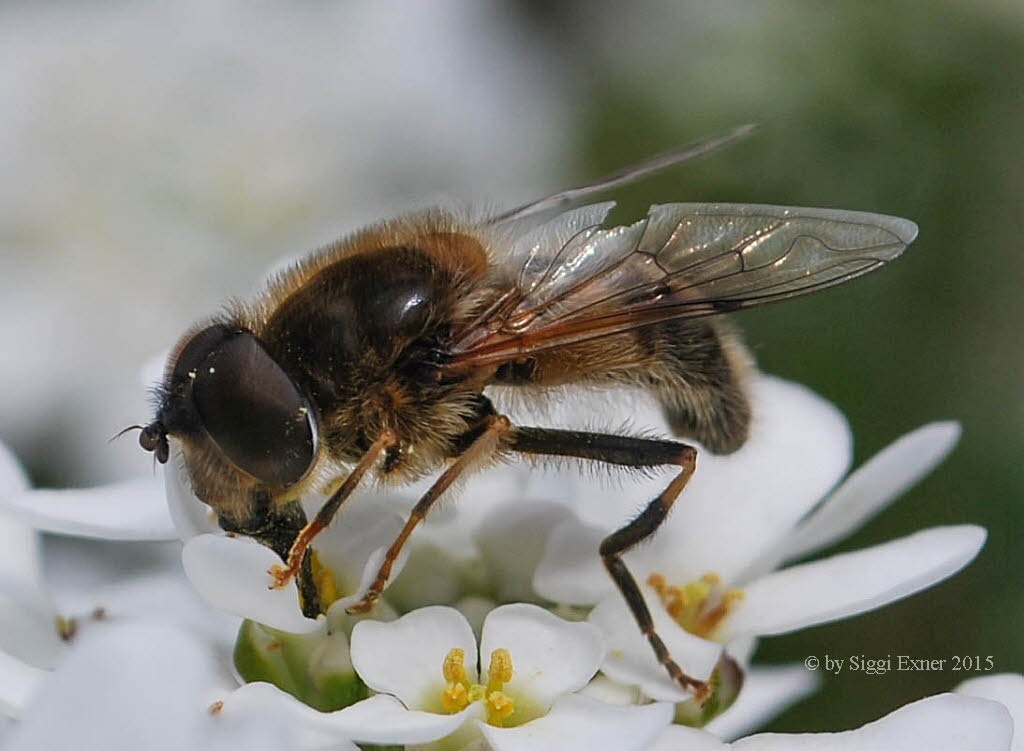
(497, 532)
(938, 723)
(231, 573)
(491, 556)
(144, 685)
(39, 619)
(28, 633)
(531, 663)
(707, 573)
(129, 510)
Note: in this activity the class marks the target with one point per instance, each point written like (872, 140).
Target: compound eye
(254, 412)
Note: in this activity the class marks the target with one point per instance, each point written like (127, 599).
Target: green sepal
(310, 667)
(726, 682)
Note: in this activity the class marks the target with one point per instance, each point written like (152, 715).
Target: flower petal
(550, 656)
(191, 516)
(869, 489)
(579, 722)
(405, 658)
(27, 612)
(454, 524)
(166, 596)
(131, 510)
(253, 733)
(608, 691)
(767, 692)
(28, 624)
(347, 546)
(738, 506)
(938, 723)
(851, 583)
(512, 541)
(359, 531)
(380, 719)
(630, 658)
(1008, 690)
(13, 478)
(681, 738)
(19, 554)
(432, 576)
(127, 687)
(371, 566)
(19, 683)
(570, 572)
(231, 574)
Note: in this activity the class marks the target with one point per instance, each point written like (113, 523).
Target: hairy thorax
(365, 338)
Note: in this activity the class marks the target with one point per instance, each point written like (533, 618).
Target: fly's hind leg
(630, 452)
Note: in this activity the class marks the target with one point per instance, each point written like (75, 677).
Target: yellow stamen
(456, 695)
(499, 708)
(455, 698)
(657, 582)
(324, 581)
(699, 606)
(698, 591)
(676, 602)
(66, 628)
(500, 671)
(733, 595)
(459, 693)
(454, 668)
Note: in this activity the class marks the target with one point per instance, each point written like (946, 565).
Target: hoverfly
(374, 356)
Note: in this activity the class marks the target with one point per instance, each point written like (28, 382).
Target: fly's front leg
(482, 446)
(629, 452)
(283, 574)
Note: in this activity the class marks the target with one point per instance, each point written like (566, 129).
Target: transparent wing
(577, 281)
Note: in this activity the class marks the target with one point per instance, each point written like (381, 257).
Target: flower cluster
(500, 629)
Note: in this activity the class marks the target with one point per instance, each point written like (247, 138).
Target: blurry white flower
(706, 573)
(128, 510)
(29, 639)
(938, 723)
(146, 686)
(37, 623)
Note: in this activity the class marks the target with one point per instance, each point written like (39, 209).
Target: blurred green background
(907, 108)
(157, 159)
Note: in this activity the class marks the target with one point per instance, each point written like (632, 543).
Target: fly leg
(629, 452)
(283, 574)
(484, 445)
